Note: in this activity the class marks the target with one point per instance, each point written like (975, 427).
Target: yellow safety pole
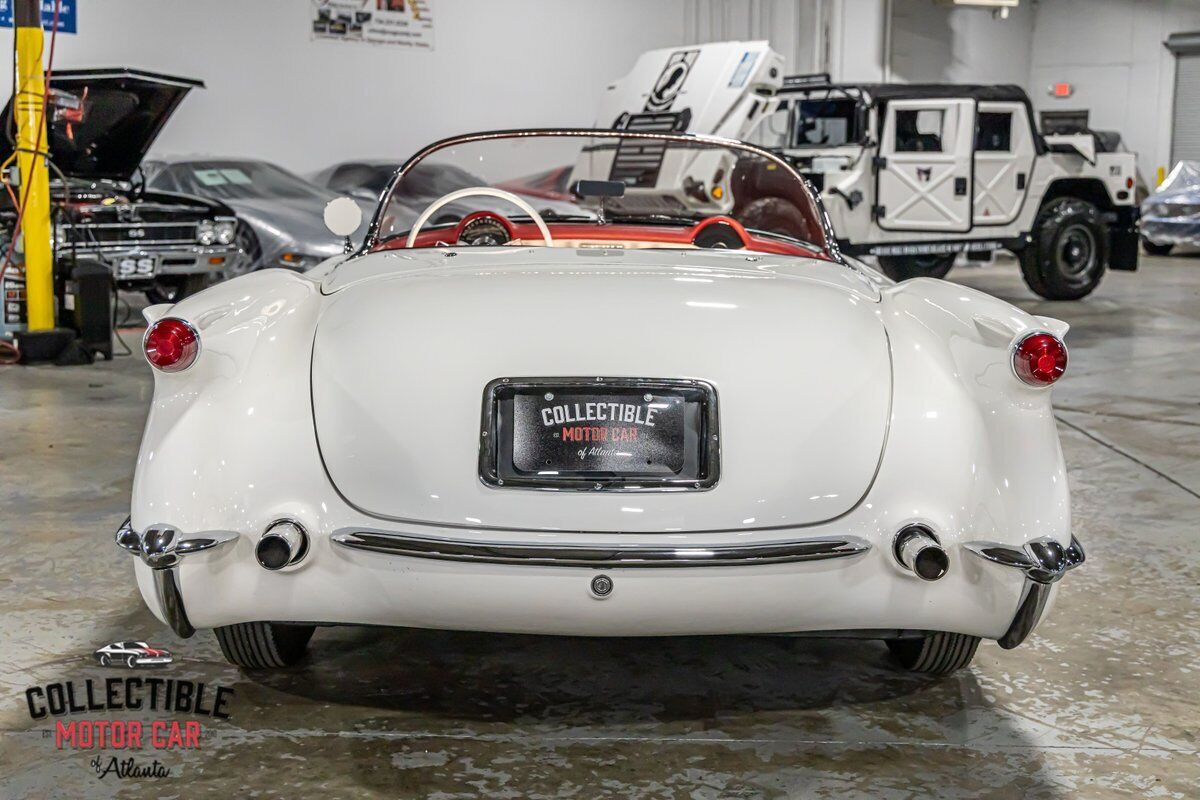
(34, 191)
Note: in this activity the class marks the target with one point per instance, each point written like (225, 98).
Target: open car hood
(101, 122)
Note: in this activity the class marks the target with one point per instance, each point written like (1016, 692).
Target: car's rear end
(600, 440)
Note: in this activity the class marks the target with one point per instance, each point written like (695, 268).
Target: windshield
(591, 188)
(807, 122)
(237, 180)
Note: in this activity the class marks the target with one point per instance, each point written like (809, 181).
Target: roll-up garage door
(1185, 137)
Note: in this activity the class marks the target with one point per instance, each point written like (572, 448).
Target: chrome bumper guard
(161, 548)
(600, 556)
(1044, 562)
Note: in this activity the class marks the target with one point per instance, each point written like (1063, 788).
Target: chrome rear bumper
(601, 557)
(1044, 562)
(161, 547)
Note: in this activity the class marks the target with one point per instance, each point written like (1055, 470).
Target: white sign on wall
(408, 23)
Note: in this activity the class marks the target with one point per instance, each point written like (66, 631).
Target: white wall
(856, 52)
(939, 44)
(275, 93)
(790, 26)
(841, 37)
(1112, 52)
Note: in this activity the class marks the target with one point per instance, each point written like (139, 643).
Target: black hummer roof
(878, 94)
(882, 92)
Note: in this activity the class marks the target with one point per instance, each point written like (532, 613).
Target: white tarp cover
(1172, 214)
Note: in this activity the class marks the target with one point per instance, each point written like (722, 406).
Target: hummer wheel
(1069, 251)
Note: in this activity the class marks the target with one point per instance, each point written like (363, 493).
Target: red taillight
(171, 345)
(1040, 359)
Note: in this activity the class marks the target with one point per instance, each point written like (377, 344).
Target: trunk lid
(409, 340)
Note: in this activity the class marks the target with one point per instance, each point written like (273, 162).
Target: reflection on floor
(1103, 701)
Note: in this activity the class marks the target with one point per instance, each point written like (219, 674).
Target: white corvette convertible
(627, 386)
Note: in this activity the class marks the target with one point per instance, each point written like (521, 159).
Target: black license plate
(591, 434)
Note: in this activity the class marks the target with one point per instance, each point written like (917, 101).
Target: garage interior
(1100, 702)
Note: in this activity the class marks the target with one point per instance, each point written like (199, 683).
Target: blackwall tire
(263, 645)
(1069, 252)
(935, 653)
(901, 268)
(172, 289)
(1157, 249)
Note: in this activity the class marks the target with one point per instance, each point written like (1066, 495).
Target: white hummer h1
(913, 174)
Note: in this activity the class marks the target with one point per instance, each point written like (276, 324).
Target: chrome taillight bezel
(1015, 352)
(173, 368)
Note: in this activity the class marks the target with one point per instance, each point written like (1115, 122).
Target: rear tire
(935, 653)
(173, 288)
(901, 268)
(264, 645)
(1157, 249)
(1069, 251)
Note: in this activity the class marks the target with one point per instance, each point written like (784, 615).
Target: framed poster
(407, 23)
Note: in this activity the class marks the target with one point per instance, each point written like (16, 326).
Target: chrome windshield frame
(829, 249)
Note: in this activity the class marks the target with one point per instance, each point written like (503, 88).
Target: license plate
(137, 267)
(612, 433)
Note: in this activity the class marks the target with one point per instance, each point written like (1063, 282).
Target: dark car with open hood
(100, 124)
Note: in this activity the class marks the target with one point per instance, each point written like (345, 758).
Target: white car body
(348, 401)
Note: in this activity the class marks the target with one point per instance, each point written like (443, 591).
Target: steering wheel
(478, 191)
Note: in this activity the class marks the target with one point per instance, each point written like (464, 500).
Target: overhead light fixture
(997, 6)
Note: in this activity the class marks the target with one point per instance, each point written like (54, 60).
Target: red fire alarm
(1062, 90)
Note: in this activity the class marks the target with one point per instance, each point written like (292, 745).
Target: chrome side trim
(600, 556)
(1043, 561)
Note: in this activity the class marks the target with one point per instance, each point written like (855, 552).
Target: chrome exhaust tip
(283, 544)
(920, 553)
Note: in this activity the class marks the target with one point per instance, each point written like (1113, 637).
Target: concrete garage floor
(1104, 700)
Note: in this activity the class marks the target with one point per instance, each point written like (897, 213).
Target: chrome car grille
(124, 235)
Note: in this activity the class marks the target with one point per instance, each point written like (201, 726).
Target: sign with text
(66, 14)
(408, 23)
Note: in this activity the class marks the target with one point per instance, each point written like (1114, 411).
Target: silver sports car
(366, 180)
(279, 213)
